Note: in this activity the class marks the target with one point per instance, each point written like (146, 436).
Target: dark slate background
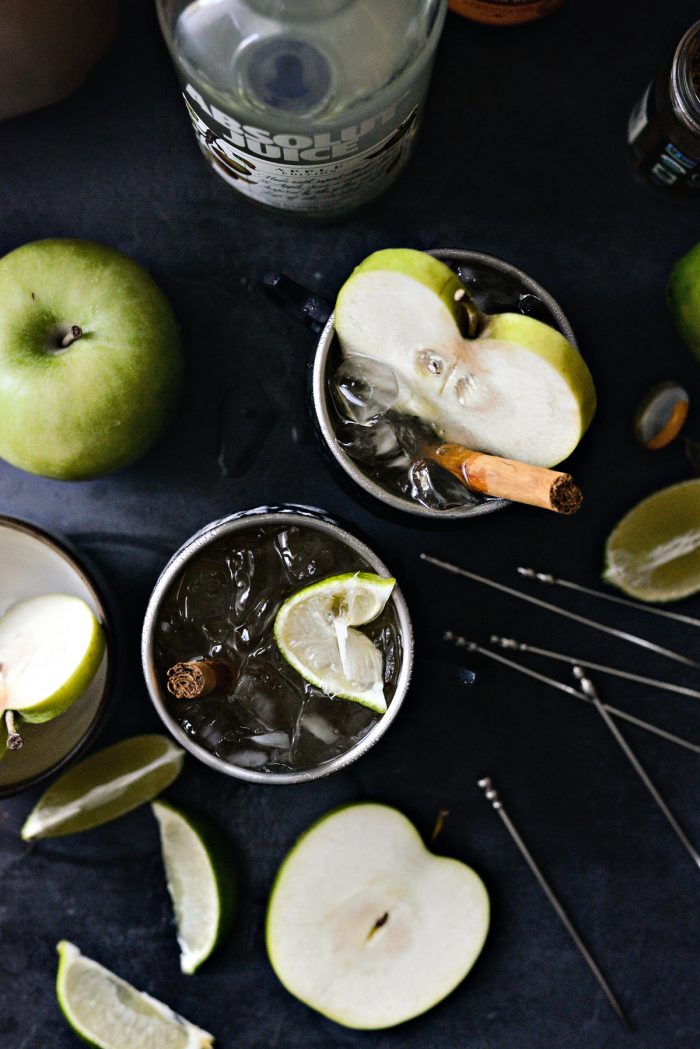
(522, 155)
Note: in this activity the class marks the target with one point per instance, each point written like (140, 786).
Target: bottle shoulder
(314, 67)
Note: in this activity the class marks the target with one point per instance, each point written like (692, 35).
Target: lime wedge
(653, 553)
(314, 630)
(201, 882)
(105, 785)
(111, 1014)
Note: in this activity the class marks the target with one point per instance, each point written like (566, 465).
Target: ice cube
(266, 700)
(305, 555)
(271, 740)
(364, 389)
(436, 488)
(246, 757)
(204, 591)
(370, 444)
(328, 727)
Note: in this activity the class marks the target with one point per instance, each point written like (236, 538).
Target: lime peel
(108, 1013)
(201, 882)
(315, 632)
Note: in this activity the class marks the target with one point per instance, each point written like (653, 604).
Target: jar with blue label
(664, 127)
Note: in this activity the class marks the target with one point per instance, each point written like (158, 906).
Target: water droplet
(429, 361)
(529, 304)
(464, 389)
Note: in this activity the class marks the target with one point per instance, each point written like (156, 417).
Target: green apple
(683, 298)
(517, 389)
(50, 649)
(90, 359)
(366, 925)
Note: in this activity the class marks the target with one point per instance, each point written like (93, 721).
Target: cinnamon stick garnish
(199, 677)
(508, 478)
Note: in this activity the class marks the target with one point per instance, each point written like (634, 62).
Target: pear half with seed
(367, 926)
(50, 649)
(518, 389)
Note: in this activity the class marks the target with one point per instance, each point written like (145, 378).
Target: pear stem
(73, 333)
(14, 739)
(475, 318)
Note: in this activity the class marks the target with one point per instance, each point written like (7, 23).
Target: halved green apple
(367, 926)
(518, 389)
(50, 649)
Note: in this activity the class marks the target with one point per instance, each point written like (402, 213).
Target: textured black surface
(522, 154)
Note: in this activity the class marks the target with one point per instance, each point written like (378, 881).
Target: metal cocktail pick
(622, 634)
(553, 580)
(487, 786)
(511, 644)
(472, 646)
(588, 687)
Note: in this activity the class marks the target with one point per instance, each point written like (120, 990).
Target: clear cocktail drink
(222, 605)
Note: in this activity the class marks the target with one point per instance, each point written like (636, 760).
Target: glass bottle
(663, 132)
(503, 12)
(305, 106)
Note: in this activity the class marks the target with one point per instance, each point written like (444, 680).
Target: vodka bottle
(305, 106)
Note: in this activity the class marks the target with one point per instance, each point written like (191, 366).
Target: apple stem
(73, 333)
(14, 739)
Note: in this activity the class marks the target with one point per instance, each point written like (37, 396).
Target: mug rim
(289, 513)
(323, 411)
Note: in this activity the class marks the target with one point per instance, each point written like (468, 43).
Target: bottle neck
(685, 78)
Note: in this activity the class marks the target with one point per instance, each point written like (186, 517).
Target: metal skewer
(589, 688)
(491, 793)
(553, 580)
(521, 646)
(622, 634)
(472, 646)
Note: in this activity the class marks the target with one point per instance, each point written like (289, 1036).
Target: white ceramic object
(34, 563)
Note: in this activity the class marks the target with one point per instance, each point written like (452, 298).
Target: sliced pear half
(50, 650)
(366, 925)
(519, 389)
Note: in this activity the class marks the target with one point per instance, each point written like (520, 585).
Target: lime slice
(201, 882)
(653, 553)
(315, 632)
(105, 785)
(111, 1014)
(50, 650)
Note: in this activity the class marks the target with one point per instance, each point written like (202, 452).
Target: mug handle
(300, 303)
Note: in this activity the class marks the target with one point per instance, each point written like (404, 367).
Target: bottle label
(673, 168)
(307, 172)
(503, 12)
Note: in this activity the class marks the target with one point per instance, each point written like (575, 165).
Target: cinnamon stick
(199, 677)
(508, 478)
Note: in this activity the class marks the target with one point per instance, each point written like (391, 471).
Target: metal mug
(287, 515)
(317, 313)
